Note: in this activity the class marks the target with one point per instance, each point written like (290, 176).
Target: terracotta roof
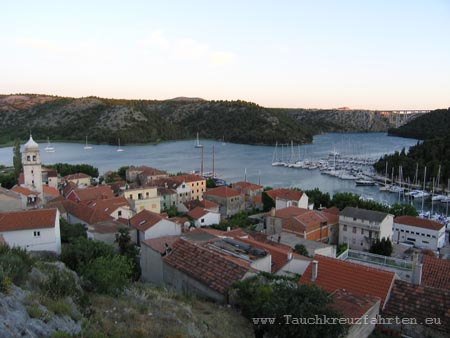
(436, 272)
(418, 301)
(247, 185)
(85, 213)
(50, 191)
(68, 188)
(289, 212)
(94, 193)
(106, 227)
(332, 210)
(223, 192)
(179, 220)
(50, 172)
(108, 205)
(285, 194)
(159, 244)
(419, 222)
(24, 191)
(198, 213)
(9, 193)
(205, 265)
(145, 219)
(334, 274)
(205, 204)
(188, 178)
(76, 176)
(29, 219)
(232, 233)
(350, 305)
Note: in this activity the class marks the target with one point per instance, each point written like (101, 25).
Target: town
(203, 238)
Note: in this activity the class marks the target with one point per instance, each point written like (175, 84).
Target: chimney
(416, 271)
(315, 269)
(272, 212)
(228, 229)
(289, 255)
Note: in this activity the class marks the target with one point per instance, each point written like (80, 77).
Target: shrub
(34, 311)
(60, 284)
(109, 275)
(15, 264)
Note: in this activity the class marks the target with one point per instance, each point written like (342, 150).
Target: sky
(383, 54)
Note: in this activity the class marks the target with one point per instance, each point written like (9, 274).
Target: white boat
(49, 148)
(197, 144)
(87, 146)
(363, 182)
(119, 149)
(276, 162)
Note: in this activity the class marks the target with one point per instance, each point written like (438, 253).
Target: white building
(203, 217)
(359, 228)
(285, 198)
(32, 166)
(33, 230)
(424, 233)
(152, 225)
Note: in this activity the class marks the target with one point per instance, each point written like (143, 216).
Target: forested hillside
(144, 121)
(428, 126)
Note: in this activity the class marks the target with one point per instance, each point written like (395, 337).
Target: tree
(122, 172)
(69, 232)
(268, 202)
(269, 296)
(301, 250)
(319, 198)
(17, 158)
(403, 210)
(128, 249)
(382, 247)
(210, 183)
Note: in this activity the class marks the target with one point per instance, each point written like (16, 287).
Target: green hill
(428, 126)
(144, 121)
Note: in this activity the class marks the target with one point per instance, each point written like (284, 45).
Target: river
(233, 160)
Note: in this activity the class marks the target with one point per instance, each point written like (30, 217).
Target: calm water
(231, 160)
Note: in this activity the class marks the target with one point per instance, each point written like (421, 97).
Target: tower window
(34, 157)
(28, 158)
(32, 171)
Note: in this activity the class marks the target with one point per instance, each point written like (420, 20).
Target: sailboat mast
(201, 166)
(213, 173)
(423, 193)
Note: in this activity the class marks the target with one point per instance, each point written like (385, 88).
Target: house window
(37, 234)
(32, 171)
(181, 195)
(197, 184)
(362, 231)
(354, 218)
(202, 220)
(428, 235)
(345, 227)
(354, 231)
(402, 230)
(119, 213)
(131, 196)
(147, 194)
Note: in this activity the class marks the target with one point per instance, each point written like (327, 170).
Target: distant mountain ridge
(144, 121)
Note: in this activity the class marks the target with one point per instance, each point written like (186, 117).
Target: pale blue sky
(377, 54)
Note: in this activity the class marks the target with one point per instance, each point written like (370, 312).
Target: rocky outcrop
(17, 322)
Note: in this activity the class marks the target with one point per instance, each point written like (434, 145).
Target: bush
(108, 274)
(35, 311)
(83, 251)
(60, 284)
(15, 264)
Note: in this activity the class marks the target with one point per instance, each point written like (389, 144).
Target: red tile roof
(436, 272)
(159, 244)
(68, 188)
(188, 178)
(145, 219)
(94, 193)
(148, 171)
(50, 191)
(289, 212)
(206, 266)
(24, 191)
(332, 210)
(30, 219)
(419, 222)
(107, 227)
(223, 192)
(76, 176)
(285, 194)
(247, 185)
(198, 213)
(350, 305)
(205, 204)
(85, 213)
(332, 215)
(420, 302)
(108, 205)
(334, 274)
